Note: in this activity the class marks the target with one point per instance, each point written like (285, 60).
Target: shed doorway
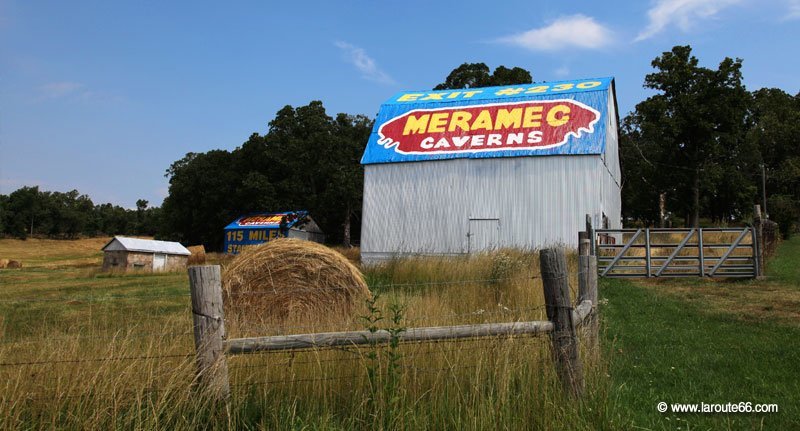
(483, 234)
(159, 261)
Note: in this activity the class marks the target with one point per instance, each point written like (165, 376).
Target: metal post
(647, 250)
(700, 253)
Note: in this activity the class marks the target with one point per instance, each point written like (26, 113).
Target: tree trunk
(662, 209)
(346, 226)
(696, 199)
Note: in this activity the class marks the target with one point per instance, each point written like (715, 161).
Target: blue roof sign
(556, 118)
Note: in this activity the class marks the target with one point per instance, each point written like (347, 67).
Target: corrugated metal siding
(425, 207)
(612, 178)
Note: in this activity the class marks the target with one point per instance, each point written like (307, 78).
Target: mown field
(82, 349)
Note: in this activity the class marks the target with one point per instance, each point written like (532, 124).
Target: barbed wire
(77, 337)
(92, 298)
(111, 358)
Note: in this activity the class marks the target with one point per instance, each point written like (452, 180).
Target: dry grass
(51, 253)
(132, 334)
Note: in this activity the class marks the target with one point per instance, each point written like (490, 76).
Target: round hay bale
(198, 256)
(289, 279)
(3, 263)
(14, 264)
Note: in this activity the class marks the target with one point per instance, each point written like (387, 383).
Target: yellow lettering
(553, 117)
(588, 84)
(433, 96)
(459, 119)
(239, 235)
(484, 121)
(438, 121)
(254, 235)
(507, 119)
(410, 97)
(537, 89)
(533, 115)
(453, 95)
(416, 125)
(563, 87)
(468, 94)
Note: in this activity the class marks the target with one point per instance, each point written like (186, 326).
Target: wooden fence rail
(564, 320)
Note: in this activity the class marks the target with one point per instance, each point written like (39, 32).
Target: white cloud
(794, 10)
(683, 13)
(364, 63)
(577, 31)
(56, 90)
(562, 72)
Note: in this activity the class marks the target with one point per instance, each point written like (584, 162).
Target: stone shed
(127, 254)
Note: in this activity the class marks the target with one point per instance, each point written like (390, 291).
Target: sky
(102, 96)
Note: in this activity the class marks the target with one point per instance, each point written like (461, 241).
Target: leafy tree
(691, 134)
(776, 133)
(473, 75)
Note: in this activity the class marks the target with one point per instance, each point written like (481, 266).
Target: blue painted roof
(267, 220)
(554, 118)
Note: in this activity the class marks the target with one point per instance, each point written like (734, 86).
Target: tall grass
(116, 352)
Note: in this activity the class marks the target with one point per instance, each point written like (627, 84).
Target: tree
(691, 135)
(776, 133)
(307, 160)
(473, 75)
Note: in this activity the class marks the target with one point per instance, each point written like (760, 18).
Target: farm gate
(687, 252)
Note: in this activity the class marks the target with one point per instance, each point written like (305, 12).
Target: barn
(258, 228)
(123, 253)
(461, 171)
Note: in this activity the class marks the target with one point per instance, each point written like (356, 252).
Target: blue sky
(102, 96)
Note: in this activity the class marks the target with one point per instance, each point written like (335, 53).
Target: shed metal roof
(146, 245)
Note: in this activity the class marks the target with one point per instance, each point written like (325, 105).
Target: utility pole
(764, 188)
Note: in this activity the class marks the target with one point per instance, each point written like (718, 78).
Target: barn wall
(425, 207)
(176, 262)
(115, 259)
(140, 261)
(611, 173)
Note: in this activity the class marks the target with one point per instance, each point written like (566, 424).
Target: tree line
(29, 211)
(694, 152)
(705, 148)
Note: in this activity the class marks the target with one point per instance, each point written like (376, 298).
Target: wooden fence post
(758, 229)
(587, 290)
(566, 354)
(209, 330)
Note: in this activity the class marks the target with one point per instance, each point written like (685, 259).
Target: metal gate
(690, 252)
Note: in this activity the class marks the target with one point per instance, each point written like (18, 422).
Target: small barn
(123, 253)
(259, 228)
(460, 171)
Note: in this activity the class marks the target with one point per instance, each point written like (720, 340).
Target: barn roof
(553, 118)
(268, 220)
(145, 245)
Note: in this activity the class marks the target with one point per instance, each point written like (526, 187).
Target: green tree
(473, 75)
(776, 132)
(691, 134)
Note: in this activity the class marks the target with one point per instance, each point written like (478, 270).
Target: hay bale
(3, 263)
(14, 264)
(198, 256)
(292, 279)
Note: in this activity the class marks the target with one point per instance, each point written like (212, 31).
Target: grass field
(82, 349)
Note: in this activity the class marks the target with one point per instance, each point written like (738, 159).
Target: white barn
(462, 171)
(127, 254)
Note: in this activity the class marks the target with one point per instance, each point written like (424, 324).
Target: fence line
(564, 319)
